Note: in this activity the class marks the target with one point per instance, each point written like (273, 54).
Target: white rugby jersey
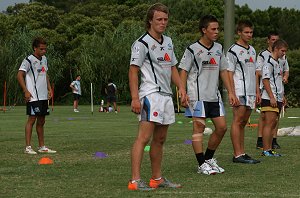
(76, 84)
(203, 66)
(273, 71)
(264, 55)
(242, 61)
(155, 60)
(36, 77)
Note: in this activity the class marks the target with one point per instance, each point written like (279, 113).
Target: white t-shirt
(242, 62)
(76, 84)
(203, 66)
(36, 77)
(155, 60)
(273, 70)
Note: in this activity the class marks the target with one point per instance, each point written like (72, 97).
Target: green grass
(77, 173)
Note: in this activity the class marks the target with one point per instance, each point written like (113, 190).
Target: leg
(240, 118)
(75, 104)
(115, 106)
(197, 137)
(40, 130)
(144, 134)
(259, 143)
(28, 129)
(217, 136)
(270, 124)
(156, 151)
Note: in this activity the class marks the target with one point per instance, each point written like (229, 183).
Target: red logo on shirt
(251, 60)
(167, 57)
(212, 61)
(43, 69)
(155, 114)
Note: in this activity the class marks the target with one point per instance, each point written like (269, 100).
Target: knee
(159, 140)
(221, 130)
(40, 122)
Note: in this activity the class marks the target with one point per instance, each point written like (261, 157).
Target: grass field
(77, 173)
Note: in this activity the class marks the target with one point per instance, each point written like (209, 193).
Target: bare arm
(268, 89)
(231, 84)
(258, 94)
(134, 92)
(21, 76)
(178, 82)
(183, 77)
(231, 96)
(50, 94)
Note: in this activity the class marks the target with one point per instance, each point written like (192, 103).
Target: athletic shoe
(213, 163)
(206, 169)
(138, 185)
(245, 159)
(116, 112)
(29, 150)
(163, 183)
(259, 145)
(76, 110)
(44, 149)
(271, 153)
(275, 145)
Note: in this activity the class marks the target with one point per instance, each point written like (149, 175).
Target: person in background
(111, 91)
(76, 90)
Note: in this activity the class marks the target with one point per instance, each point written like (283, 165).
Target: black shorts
(111, 99)
(37, 108)
(266, 106)
(76, 96)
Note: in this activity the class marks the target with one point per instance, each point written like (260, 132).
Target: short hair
(37, 42)
(205, 21)
(272, 33)
(77, 76)
(150, 13)
(280, 43)
(243, 24)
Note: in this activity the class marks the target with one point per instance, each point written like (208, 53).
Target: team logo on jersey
(212, 61)
(209, 53)
(199, 53)
(167, 57)
(162, 48)
(153, 47)
(250, 60)
(136, 49)
(155, 114)
(41, 70)
(242, 52)
(170, 46)
(218, 53)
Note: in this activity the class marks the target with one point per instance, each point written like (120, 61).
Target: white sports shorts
(248, 101)
(157, 108)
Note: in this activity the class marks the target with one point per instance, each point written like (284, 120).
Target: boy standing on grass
(272, 95)
(76, 90)
(201, 64)
(241, 58)
(153, 55)
(34, 81)
(261, 59)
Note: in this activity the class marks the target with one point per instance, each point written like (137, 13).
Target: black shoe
(246, 159)
(275, 145)
(259, 145)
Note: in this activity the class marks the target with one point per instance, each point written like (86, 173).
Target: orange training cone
(45, 160)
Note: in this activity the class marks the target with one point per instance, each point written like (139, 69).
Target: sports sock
(200, 158)
(259, 139)
(274, 140)
(209, 154)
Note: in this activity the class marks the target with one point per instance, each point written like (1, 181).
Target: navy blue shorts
(37, 108)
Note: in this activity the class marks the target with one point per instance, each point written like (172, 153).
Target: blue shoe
(270, 153)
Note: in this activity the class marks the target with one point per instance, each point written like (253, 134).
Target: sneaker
(275, 145)
(29, 150)
(44, 149)
(245, 159)
(76, 110)
(213, 163)
(259, 145)
(270, 153)
(206, 169)
(163, 183)
(116, 112)
(138, 185)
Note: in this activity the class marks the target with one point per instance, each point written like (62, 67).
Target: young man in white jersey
(241, 59)
(272, 95)
(202, 63)
(153, 56)
(76, 90)
(34, 81)
(262, 57)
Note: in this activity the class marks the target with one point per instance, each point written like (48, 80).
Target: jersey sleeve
(266, 71)
(138, 53)
(286, 66)
(231, 60)
(223, 62)
(186, 61)
(25, 66)
(259, 62)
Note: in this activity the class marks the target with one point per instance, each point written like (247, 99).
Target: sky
(253, 4)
